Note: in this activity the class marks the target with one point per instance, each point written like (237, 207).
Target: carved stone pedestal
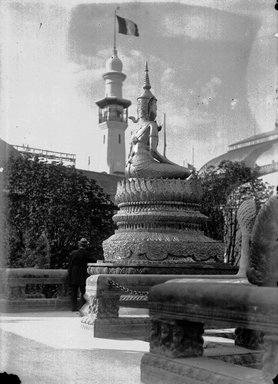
(159, 222)
(160, 232)
(101, 313)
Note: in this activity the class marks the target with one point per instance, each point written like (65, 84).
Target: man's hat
(83, 241)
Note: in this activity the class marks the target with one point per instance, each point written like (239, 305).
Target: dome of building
(114, 63)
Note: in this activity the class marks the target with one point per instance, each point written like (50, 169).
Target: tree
(224, 189)
(50, 207)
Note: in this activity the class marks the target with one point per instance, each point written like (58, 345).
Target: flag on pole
(127, 27)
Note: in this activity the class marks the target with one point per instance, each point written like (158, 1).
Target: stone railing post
(249, 338)
(63, 289)
(102, 305)
(102, 302)
(14, 286)
(105, 294)
(176, 338)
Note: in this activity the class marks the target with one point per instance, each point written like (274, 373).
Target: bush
(50, 207)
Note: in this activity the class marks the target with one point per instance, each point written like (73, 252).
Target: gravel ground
(44, 349)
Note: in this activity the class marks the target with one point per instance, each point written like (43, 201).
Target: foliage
(50, 208)
(224, 189)
(42, 252)
(3, 223)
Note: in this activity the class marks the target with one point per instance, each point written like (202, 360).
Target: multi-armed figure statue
(144, 159)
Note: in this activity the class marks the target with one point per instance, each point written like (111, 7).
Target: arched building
(260, 151)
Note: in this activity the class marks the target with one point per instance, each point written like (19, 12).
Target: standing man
(77, 273)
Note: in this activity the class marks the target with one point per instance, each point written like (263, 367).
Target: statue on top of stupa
(144, 160)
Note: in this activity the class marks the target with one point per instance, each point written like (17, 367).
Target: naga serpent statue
(263, 259)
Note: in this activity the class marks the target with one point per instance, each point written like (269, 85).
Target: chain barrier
(143, 294)
(134, 298)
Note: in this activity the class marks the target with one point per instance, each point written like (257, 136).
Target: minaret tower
(113, 115)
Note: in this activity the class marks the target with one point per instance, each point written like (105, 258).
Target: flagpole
(164, 131)
(115, 16)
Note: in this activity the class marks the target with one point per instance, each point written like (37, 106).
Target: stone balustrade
(181, 310)
(14, 286)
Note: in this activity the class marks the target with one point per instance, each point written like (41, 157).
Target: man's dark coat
(78, 266)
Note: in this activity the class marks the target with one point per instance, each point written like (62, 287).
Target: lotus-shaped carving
(144, 190)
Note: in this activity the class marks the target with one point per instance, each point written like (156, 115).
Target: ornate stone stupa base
(159, 236)
(159, 230)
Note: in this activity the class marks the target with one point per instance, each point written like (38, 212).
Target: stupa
(159, 233)
(159, 224)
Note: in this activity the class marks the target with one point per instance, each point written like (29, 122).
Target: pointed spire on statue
(143, 100)
(147, 84)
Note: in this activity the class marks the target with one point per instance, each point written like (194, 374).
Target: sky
(212, 67)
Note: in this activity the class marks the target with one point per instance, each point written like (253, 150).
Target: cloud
(97, 60)
(180, 25)
(234, 103)
(207, 24)
(182, 122)
(184, 119)
(208, 91)
(168, 75)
